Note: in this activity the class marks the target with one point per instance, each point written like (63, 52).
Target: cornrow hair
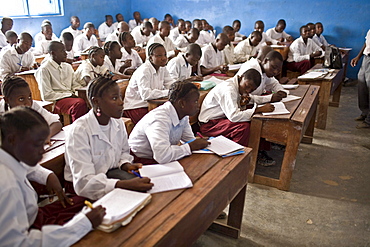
(94, 49)
(12, 82)
(98, 86)
(152, 47)
(180, 89)
(122, 37)
(108, 46)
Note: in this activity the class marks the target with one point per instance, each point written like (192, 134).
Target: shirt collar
(173, 114)
(183, 61)
(95, 127)
(19, 170)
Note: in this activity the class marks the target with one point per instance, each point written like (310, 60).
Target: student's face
(280, 28)
(236, 26)
(220, 44)
(111, 103)
(116, 52)
(7, 24)
(20, 96)
(311, 31)
(155, 26)
(255, 40)
(305, 33)
(181, 26)
(130, 42)
(205, 25)
(231, 36)
(319, 29)
(246, 86)
(68, 44)
(109, 22)
(165, 30)
(75, 23)
(198, 25)
(60, 54)
(169, 19)
(159, 57)
(259, 27)
(98, 58)
(191, 104)
(25, 44)
(137, 16)
(12, 40)
(193, 37)
(272, 67)
(48, 32)
(147, 31)
(119, 18)
(90, 32)
(187, 26)
(192, 59)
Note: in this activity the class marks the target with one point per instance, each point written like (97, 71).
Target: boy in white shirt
(278, 33)
(229, 51)
(73, 28)
(136, 21)
(121, 27)
(266, 40)
(185, 39)
(175, 32)
(106, 27)
(6, 24)
(236, 25)
(248, 48)
(119, 18)
(41, 46)
(142, 34)
(212, 57)
(39, 37)
(89, 38)
(318, 37)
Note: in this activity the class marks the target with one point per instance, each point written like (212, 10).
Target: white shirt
(3, 41)
(90, 154)
(266, 38)
(12, 62)
(210, 58)
(174, 33)
(70, 54)
(244, 51)
(146, 83)
(19, 209)
(238, 36)
(181, 42)
(113, 36)
(42, 47)
(157, 134)
(55, 81)
(134, 56)
(179, 68)
(224, 101)
(367, 42)
(229, 54)
(167, 43)
(104, 30)
(87, 69)
(299, 51)
(109, 65)
(140, 39)
(207, 36)
(81, 43)
(132, 24)
(69, 29)
(275, 35)
(40, 36)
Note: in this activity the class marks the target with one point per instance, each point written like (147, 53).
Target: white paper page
(215, 80)
(170, 182)
(201, 151)
(234, 66)
(27, 72)
(60, 136)
(289, 86)
(312, 75)
(277, 46)
(290, 98)
(158, 170)
(221, 145)
(279, 109)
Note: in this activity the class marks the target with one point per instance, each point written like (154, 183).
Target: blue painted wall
(345, 21)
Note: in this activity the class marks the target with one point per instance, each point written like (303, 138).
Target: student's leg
(76, 107)
(301, 67)
(136, 114)
(364, 89)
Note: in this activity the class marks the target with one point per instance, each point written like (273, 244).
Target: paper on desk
(290, 86)
(290, 98)
(279, 109)
(234, 66)
(27, 72)
(312, 75)
(277, 46)
(215, 80)
(59, 136)
(222, 145)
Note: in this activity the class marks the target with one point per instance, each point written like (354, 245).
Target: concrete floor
(329, 199)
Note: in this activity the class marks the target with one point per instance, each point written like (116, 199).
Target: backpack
(333, 58)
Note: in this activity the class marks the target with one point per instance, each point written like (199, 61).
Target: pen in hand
(87, 203)
(136, 174)
(200, 135)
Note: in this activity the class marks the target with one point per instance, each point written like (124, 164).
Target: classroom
(314, 191)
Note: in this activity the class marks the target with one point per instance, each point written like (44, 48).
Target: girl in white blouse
(129, 55)
(112, 60)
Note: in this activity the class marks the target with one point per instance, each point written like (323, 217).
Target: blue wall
(345, 22)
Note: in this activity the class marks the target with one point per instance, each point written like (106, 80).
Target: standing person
(364, 83)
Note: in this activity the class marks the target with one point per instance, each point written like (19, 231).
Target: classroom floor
(329, 199)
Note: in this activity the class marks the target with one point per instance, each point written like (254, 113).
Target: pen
(200, 135)
(50, 196)
(313, 90)
(87, 203)
(190, 141)
(136, 174)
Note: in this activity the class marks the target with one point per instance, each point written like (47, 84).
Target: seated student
(207, 34)
(67, 40)
(97, 152)
(248, 48)
(6, 25)
(318, 37)
(113, 62)
(277, 32)
(229, 51)
(302, 52)
(175, 32)
(73, 28)
(155, 24)
(120, 28)
(162, 38)
(106, 27)
(11, 39)
(199, 25)
(129, 55)
(180, 67)
(119, 18)
(266, 40)
(169, 19)
(184, 40)
(91, 67)
(188, 26)
(142, 34)
(41, 46)
(23, 223)
(212, 59)
(311, 30)
(156, 137)
(18, 58)
(150, 81)
(17, 92)
(56, 83)
(237, 25)
(89, 38)
(136, 21)
(40, 37)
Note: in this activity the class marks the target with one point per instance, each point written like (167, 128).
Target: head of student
(24, 42)
(137, 15)
(304, 32)
(280, 26)
(229, 31)
(181, 25)
(23, 134)
(119, 17)
(157, 55)
(198, 24)
(57, 51)
(205, 24)
(105, 97)
(193, 35)
(11, 37)
(272, 63)
(168, 18)
(113, 50)
(96, 56)
(164, 28)
(109, 20)
(6, 24)
(47, 30)
(187, 26)
(155, 24)
(311, 29)
(67, 39)
(221, 41)
(259, 26)
(193, 54)
(319, 28)
(147, 28)
(249, 81)
(256, 38)
(236, 25)
(75, 22)
(123, 27)
(126, 40)
(89, 29)
(184, 96)
(16, 92)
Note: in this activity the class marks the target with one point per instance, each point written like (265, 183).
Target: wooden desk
(282, 49)
(29, 77)
(287, 129)
(179, 217)
(329, 85)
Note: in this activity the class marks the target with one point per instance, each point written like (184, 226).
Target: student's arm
(6, 66)
(297, 56)
(52, 119)
(174, 69)
(206, 71)
(240, 52)
(97, 37)
(147, 90)
(355, 60)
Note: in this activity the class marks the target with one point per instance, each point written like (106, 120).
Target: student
(156, 137)
(150, 81)
(46, 27)
(180, 67)
(311, 30)
(89, 38)
(23, 223)
(278, 33)
(175, 32)
(41, 46)
(266, 40)
(212, 59)
(155, 24)
(56, 83)
(364, 83)
(6, 25)
(169, 19)
(162, 38)
(136, 21)
(119, 18)
(319, 38)
(199, 25)
(91, 67)
(113, 60)
(16, 92)
(106, 27)
(184, 40)
(142, 34)
(67, 40)
(207, 34)
(11, 39)
(18, 58)
(97, 153)
(73, 28)
(129, 55)
(228, 51)
(120, 28)
(302, 52)
(237, 25)
(248, 48)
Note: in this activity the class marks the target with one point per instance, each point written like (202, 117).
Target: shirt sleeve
(297, 56)
(38, 174)
(167, 79)
(240, 52)
(126, 157)
(232, 110)
(273, 85)
(173, 69)
(146, 92)
(48, 116)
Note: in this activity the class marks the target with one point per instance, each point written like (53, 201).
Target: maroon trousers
(301, 67)
(136, 114)
(76, 107)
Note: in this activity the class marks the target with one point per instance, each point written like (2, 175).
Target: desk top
(330, 76)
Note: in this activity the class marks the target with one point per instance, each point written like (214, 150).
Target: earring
(98, 112)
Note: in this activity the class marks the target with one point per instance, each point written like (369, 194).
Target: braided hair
(12, 82)
(98, 86)
(180, 89)
(152, 47)
(122, 37)
(94, 49)
(108, 46)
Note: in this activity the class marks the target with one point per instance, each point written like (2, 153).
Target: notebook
(224, 147)
(165, 177)
(279, 109)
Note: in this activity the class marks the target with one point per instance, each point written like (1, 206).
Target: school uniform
(211, 57)
(245, 50)
(146, 83)
(86, 68)
(238, 36)
(104, 30)
(110, 67)
(70, 54)
(92, 150)
(182, 42)
(40, 37)
(3, 40)
(19, 209)
(157, 134)
(167, 43)
(115, 25)
(42, 47)
(81, 43)
(320, 40)
(113, 36)
(275, 35)
(229, 53)
(179, 68)
(69, 29)
(174, 34)
(205, 38)
(265, 38)
(140, 39)
(136, 61)
(56, 84)
(12, 62)
(132, 24)
(364, 82)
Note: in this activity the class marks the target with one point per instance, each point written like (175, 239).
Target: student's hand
(25, 68)
(96, 216)
(224, 69)
(96, 32)
(176, 52)
(196, 78)
(131, 166)
(127, 63)
(276, 97)
(129, 71)
(137, 184)
(289, 39)
(281, 40)
(244, 100)
(354, 61)
(53, 186)
(315, 54)
(265, 108)
(199, 143)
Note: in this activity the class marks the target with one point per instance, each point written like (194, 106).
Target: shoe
(363, 125)
(360, 118)
(264, 160)
(222, 216)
